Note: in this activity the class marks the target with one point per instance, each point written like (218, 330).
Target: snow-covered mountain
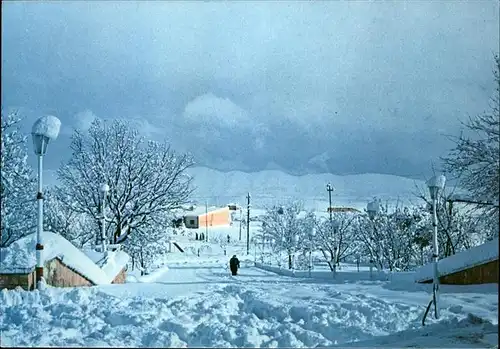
(276, 187)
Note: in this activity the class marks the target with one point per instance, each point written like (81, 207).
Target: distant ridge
(276, 187)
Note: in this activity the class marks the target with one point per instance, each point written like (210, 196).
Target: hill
(276, 187)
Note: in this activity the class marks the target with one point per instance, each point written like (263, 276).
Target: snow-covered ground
(193, 301)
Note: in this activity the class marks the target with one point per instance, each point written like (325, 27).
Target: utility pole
(241, 217)
(248, 223)
(329, 189)
(206, 221)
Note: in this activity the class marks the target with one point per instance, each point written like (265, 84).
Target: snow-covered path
(202, 305)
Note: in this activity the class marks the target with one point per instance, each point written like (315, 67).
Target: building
(64, 264)
(208, 217)
(477, 265)
(342, 210)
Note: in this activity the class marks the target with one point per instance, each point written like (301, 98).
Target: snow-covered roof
(200, 211)
(114, 263)
(463, 260)
(20, 257)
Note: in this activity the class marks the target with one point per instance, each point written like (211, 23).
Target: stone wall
(58, 274)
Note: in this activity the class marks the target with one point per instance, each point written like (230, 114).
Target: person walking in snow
(234, 264)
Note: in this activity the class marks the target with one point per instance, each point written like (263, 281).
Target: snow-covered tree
(146, 178)
(18, 185)
(393, 239)
(284, 226)
(459, 226)
(147, 244)
(61, 218)
(475, 160)
(221, 240)
(335, 237)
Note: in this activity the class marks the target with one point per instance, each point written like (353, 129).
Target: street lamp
(435, 184)
(273, 249)
(311, 241)
(283, 242)
(43, 130)
(335, 227)
(372, 208)
(329, 189)
(295, 245)
(104, 189)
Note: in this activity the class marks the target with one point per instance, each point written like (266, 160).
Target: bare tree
(61, 218)
(284, 225)
(475, 160)
(393, 238)
(335, 238)
(147, 244)
(146, 179)
(17, 190)
(457, 223)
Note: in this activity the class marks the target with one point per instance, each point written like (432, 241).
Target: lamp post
(104, 189)
(283, 242)
(335, 227)
(295, 244)
(43, 130)
(273, 250)
(329, 189)
(311, 241)
(435, 184)
(373, 207)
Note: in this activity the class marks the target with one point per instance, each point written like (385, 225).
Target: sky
(306, 87)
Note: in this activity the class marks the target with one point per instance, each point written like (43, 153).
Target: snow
(47, 126)
(191, 301)
(437, 181)
(474, 256)
(114, 262)
(199, 304)
(20, 256)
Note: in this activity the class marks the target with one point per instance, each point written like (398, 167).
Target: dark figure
(202, 237)
(196, 236)
(228, 239)
(234, 264)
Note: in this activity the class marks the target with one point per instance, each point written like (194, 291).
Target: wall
(58, 274)
(341, 276)
(215, 218)
(192, 225)
(120, 278)
(11, 281)
(481, 274)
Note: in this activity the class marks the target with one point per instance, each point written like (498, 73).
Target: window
(191, 221)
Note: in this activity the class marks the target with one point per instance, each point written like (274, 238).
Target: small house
(209, 217)
(477, 265)
(64, 264)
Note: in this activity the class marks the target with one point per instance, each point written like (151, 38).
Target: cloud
(208, 109)
(280, 82)
(83, 120)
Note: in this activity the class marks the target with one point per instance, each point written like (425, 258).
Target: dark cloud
(346, 87)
